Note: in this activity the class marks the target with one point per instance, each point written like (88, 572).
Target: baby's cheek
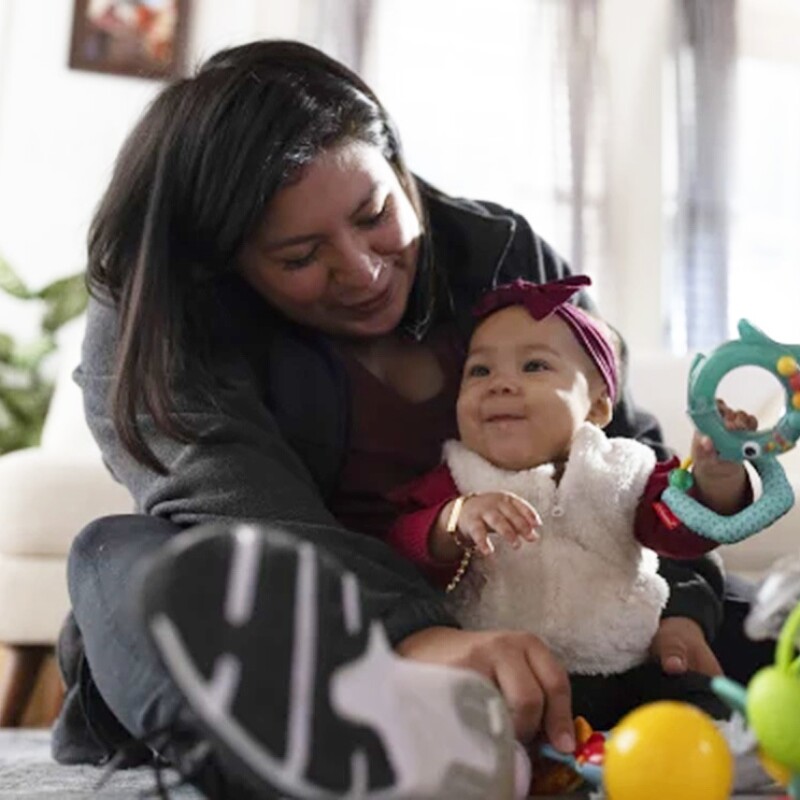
(465, 418)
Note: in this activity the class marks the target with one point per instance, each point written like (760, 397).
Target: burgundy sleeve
(658, 528)
(420, 504)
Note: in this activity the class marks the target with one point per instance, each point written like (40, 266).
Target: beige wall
(60, 129)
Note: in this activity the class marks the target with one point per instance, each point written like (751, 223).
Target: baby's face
(527, 387)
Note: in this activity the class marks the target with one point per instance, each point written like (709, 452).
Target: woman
(274, 340)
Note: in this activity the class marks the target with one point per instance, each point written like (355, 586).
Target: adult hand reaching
(531, 679)
(680, 645)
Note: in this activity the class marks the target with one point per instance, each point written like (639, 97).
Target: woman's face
(337, 249)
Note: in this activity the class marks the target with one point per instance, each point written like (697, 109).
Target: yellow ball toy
(667, 751)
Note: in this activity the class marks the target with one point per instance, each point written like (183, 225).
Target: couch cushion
(34, 599)
(46, 498)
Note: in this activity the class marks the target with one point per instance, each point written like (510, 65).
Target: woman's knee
(108, 548)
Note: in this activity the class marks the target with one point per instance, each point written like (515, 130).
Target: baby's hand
(722, 485)
(707, 463)
(500, 512)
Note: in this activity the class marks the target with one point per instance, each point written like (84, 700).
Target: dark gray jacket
(272, 441)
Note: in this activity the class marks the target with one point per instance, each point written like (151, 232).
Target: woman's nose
(357, 268)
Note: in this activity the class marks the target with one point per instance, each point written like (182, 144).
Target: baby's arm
(721, 485)
(474, 517)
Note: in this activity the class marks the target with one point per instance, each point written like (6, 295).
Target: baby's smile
(505, 417)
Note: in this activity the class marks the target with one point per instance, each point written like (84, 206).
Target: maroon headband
(544, 299)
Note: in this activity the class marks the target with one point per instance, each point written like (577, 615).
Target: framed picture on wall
(143, 38)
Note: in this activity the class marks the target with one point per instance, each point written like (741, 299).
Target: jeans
(124, 674)
(117, 687)
(101, 576)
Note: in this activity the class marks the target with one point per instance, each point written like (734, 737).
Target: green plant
(25, 388)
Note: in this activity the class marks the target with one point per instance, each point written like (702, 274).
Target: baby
(534, 467)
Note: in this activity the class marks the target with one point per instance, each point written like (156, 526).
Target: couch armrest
(46, 498)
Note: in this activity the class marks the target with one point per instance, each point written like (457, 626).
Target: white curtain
(705, 62)
(500, 100)
(343, 29)
(579, 73)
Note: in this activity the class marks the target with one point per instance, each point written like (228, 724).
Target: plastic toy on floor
(667, 751)
(660, 751)
(556, 773)
(771, 700)
(761, 448)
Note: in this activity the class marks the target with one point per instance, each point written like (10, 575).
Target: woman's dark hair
(190, 186)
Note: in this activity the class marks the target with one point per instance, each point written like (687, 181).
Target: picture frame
(138, 38)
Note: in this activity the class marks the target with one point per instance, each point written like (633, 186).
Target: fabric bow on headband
(543, 299)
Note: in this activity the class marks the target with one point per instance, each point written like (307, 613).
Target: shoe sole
(282, 719)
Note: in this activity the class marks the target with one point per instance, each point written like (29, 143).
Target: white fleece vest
(587, 587)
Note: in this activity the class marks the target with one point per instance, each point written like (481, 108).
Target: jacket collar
(462, 252)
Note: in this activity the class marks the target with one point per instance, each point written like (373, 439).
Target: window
(748, 213)
(484, 111)
(764, 277)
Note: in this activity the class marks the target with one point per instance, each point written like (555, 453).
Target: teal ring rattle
(761, 448)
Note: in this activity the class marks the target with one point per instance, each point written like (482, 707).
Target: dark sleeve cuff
(695, 591)
(416, 616)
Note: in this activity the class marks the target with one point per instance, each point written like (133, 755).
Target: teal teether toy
(760, 448)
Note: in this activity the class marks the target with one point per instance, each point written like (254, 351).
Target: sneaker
(304, 698)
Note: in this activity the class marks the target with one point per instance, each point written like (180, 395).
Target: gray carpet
(27, 771)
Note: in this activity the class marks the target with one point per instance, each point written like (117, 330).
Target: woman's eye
(375, 219)
(534, 365)
(477, 371)
(299, 263)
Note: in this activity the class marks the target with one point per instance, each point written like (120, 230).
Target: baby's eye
(477, 371)
(535, 365)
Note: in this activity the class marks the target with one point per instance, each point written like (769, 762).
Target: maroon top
(393, 440)
(422, 500)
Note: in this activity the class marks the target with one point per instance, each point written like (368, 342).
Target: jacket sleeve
(696, 587)
(241, 468)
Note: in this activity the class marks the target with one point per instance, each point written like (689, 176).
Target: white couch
(47, 495)
(659, 386)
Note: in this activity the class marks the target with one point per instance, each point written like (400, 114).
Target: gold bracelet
(468, 548)
(462, 568)
(455, 514)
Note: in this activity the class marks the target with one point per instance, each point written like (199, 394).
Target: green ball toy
(773, 701)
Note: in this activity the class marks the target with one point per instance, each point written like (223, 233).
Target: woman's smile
(371, 305)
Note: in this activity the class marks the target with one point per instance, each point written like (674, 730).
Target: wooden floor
(44, 696)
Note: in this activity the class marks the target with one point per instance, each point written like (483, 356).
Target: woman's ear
(601, 410)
